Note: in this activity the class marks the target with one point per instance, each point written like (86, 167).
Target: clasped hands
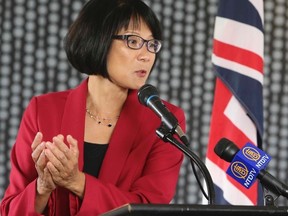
(57, 164)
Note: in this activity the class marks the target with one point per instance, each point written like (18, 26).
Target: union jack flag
(237, 112)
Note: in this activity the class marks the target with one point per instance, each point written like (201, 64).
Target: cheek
(117, 58)
(111, 58)
(152, 62)
(115, 64)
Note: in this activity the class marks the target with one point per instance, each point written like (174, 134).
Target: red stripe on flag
(221, 127)
(239, 55)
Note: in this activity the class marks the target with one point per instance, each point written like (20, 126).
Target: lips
(141, 73)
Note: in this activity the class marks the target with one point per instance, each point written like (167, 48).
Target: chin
(139, 85)
(136, 84)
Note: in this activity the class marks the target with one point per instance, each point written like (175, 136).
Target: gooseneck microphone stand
(148, 95)
(167, 136)
(271, 191)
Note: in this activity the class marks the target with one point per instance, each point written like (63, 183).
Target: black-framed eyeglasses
(136, 42)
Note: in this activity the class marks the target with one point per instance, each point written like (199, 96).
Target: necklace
(101, 121)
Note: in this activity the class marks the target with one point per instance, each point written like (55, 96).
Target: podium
(195, 210)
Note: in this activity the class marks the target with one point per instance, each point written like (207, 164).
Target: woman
(90, 149)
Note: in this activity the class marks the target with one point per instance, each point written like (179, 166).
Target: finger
(48, 178)
(53, 171)
(58, 140)
(61, 137)
(55, 156)
(59, 150)
(73, 144)
(37, 140)
(37, 152)
(41, 162)
(46, 174)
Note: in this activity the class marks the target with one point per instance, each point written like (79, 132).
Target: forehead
(136, 25)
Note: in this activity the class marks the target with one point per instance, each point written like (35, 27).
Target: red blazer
(138, 167)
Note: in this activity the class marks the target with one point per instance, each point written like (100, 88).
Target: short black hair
(89, 38)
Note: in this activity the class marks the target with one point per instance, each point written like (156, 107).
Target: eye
(153, 45)
(134, 41)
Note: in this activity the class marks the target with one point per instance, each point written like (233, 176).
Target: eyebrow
(136, 33)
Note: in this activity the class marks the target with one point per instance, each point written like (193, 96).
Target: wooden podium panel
(196, 210)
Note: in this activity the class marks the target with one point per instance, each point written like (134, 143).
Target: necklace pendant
(101, 121)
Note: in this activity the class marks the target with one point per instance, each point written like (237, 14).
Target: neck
(104, 97)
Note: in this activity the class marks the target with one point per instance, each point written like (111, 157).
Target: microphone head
(226, 149)
(145, 92)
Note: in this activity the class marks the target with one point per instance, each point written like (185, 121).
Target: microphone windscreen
(226, 149)
(145, 92)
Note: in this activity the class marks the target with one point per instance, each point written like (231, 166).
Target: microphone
(148, 95)
(248, 164)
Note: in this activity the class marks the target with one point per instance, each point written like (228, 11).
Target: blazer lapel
(73, 121)
(122, 140)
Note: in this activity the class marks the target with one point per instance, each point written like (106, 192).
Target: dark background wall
(32, 62)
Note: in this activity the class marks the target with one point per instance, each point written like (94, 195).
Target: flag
(237, 112)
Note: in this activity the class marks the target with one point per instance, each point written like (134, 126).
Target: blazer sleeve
(19, 197)
(156, 183)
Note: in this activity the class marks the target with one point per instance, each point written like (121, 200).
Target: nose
(144, 54)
